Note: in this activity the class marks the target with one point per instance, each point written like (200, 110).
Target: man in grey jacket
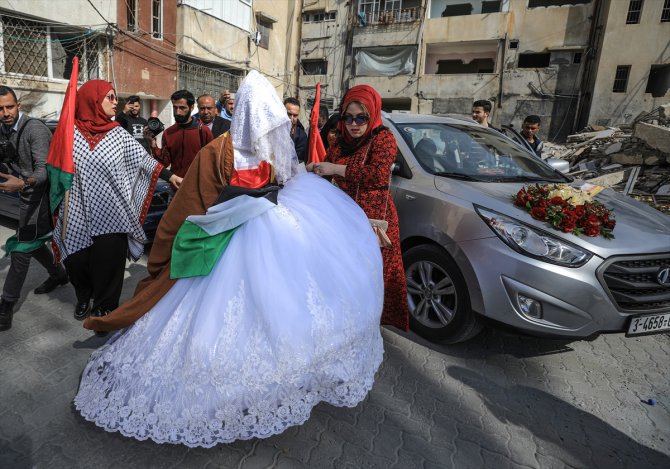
(24, 145)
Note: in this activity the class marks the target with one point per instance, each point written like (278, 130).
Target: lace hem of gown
(200, 398)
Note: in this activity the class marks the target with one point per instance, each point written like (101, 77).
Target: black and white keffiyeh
(111, 192)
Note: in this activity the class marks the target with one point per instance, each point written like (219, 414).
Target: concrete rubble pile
(632, 159)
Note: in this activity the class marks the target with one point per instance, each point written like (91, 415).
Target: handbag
(378, 226)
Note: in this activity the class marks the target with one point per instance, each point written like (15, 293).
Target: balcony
(389, 17)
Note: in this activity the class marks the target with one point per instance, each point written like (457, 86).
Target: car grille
(632, 282)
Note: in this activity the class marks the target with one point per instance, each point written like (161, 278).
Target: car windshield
(468, 152)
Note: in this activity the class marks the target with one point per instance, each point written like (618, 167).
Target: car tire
(438, 296)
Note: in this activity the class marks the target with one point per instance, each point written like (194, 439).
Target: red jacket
(180, 144)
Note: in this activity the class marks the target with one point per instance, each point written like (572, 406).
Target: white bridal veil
(261, 129)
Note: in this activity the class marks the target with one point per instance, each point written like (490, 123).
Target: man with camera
(181, 141)
(24, 145)
(133, 122)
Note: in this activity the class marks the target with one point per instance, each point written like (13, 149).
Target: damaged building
(552, 58)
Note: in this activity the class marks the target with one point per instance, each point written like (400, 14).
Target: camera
(155, 126)
(8, 156)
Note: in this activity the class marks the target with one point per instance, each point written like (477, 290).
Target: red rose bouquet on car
(567, 209)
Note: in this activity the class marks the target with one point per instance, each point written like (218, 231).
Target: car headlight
(533, 242)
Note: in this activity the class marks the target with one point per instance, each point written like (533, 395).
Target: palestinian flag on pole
(60, 165)
(316, 152)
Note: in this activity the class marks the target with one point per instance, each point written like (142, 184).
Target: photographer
(24, 148)
(181, 141)
(133, 122)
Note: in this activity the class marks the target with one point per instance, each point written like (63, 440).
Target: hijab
(89, 117)
(370, 99)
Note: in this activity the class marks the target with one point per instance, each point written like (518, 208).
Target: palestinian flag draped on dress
(60, 165)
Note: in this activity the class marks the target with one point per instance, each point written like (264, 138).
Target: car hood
(639, 228)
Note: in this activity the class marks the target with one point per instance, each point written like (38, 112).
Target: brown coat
(210, 172)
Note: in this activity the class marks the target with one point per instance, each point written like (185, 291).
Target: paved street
(501, 400)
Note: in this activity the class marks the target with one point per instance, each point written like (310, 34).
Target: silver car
(471, 256)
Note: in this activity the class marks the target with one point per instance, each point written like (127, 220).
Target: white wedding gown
(288, 317)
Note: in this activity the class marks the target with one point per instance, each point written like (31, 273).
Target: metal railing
(387, 17)
(32, 49)
(200, 79)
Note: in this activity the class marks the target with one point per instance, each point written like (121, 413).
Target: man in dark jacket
(298, 134)
(24, 149)
(183, 140)
(133, 122)
(207, 115)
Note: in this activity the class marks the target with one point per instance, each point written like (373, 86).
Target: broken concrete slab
(655, 136)
(652, 160)
(627, 160)
(613, 148)
(608, 180)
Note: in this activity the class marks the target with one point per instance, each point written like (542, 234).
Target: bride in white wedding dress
(288, 316)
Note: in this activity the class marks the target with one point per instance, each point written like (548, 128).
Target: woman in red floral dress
(360, 163)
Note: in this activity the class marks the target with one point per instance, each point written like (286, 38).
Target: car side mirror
(395, 168)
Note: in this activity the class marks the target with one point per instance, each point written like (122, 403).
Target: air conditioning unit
(256, 37)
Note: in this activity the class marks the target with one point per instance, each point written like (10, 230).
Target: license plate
(649, 324)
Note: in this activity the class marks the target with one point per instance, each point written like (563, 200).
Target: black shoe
(82, 310)
(98, 313)
(6, 313)
(50, 284)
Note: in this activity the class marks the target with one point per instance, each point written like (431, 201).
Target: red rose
(592, 230)
(609, 224)
(539, 213)
(568, 227)
(542, 203)
(558, 201)
(592, 220)
(569, 217)
(580, 211)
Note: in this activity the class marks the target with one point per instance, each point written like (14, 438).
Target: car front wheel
(438, 297)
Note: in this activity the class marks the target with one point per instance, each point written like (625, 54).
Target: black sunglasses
(359, 119)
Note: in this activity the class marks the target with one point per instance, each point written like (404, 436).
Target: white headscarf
(261, 129)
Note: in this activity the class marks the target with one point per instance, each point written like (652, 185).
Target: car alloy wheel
(438, 297)
(431, 294)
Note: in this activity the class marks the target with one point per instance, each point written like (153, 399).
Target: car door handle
(410, 197)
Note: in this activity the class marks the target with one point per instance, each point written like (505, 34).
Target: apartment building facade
(554, 58)
(218, 42)
(631, 73)
(127, 42)
(437, 56)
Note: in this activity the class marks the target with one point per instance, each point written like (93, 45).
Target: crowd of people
(266, 282)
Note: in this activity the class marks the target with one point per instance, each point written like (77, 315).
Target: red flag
(316, 152)
(60, 165)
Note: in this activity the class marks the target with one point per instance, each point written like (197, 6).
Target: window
(264, 28)
(514, 44)
(621, 79)
(634, 11)
(314, 67)
(534, 60)
(665, 13)
(492, 6)
(659, 80)
(457, 66)
(460, 9)
(577, 58)
(34, 49)
(318, 16)
(157, 18)
(131, 15)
